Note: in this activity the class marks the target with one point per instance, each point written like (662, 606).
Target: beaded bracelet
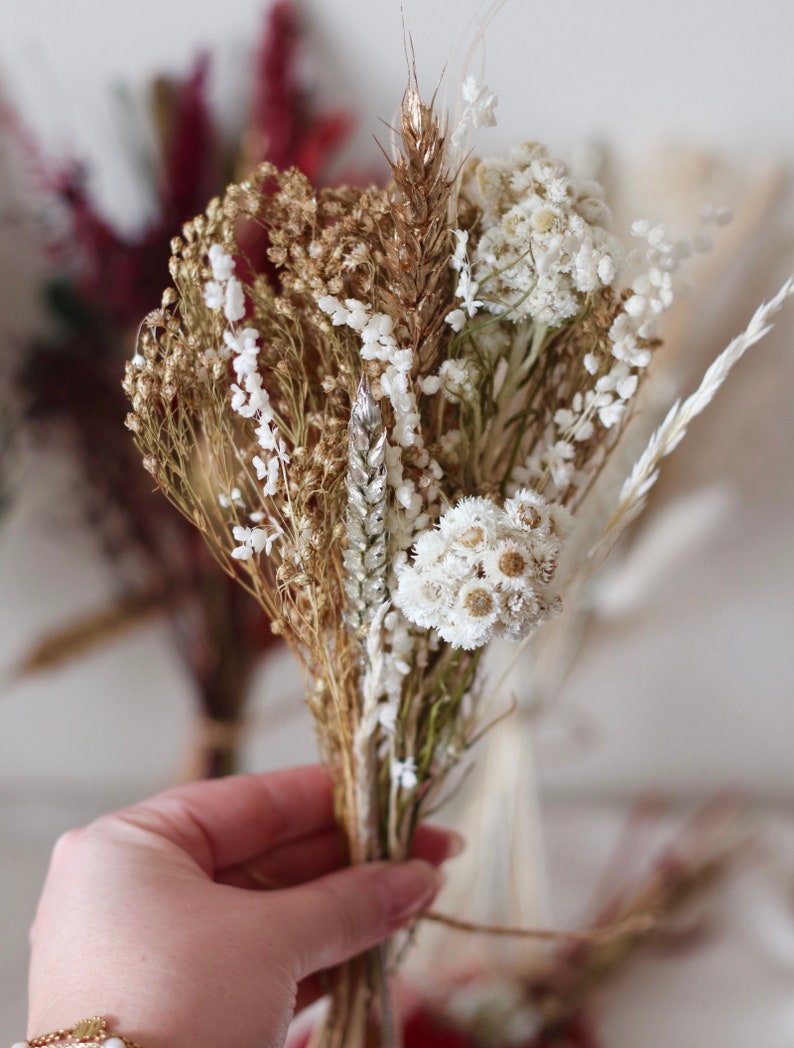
(90, 1033)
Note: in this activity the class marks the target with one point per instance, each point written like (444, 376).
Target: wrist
(91, 1032)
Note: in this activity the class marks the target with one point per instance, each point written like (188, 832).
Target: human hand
(151, 916)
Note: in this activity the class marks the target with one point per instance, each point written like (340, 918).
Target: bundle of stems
(389, 432)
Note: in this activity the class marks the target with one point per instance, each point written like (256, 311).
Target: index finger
(223, 822)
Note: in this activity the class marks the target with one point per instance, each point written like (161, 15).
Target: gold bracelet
(90, 1033)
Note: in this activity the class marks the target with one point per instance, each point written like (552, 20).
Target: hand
(156, 916)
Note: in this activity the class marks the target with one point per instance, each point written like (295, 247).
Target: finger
(435, 845)
(327, 921)
(308, 858)
(228, 821)
(294, 862)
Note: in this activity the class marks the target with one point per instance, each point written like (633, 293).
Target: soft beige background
(685, 682)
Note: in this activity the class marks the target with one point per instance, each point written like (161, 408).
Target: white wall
(716, 74)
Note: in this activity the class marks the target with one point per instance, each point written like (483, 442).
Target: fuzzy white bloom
(244, 346)
(480, 102)
(458, 379)
(479, 109)
(375, 329)
(234, 498)
(387, 716)
(397, 646)
(254, 540)
(224, 291)
(485, 571)
(404, 773)
(650, 271)
(234, 301)
(456, 318)
(546, 244)
(214, 294)
(467, 288)
(221, 263)
(557, 460)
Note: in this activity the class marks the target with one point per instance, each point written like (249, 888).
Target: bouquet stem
(361, 1012)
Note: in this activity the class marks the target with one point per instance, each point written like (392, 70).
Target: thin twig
(641, 924)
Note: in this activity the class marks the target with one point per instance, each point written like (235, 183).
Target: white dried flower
(480, 102)
(221, 263)
(254, 540)
(546, 243)
(456, 319)
(458, 379)
(467, 288)
(224, 291)
(479, 110)
(214, 294)
(404, 773)
(234, 301)
(485, 571)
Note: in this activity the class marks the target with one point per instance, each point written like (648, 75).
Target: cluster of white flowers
(495, 1010)
(546, 242)
(378, 343)
(224, 291)
(652, 292)
(409, 512)
(479, 110)
(458, 379)
(466, 288)
(485, 571)
(250, 399)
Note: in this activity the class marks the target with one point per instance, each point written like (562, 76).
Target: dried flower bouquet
(391, 435)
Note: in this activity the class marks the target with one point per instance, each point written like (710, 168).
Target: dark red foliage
(427, 1028)
(191, 150)
(285, 129)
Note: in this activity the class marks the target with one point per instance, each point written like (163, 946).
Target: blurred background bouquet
(99, 283)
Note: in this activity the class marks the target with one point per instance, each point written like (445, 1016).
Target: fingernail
(410, 887)
(457, 842)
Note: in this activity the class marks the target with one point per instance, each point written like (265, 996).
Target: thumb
(329, 920)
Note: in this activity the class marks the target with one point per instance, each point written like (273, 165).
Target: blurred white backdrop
(689, 689)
